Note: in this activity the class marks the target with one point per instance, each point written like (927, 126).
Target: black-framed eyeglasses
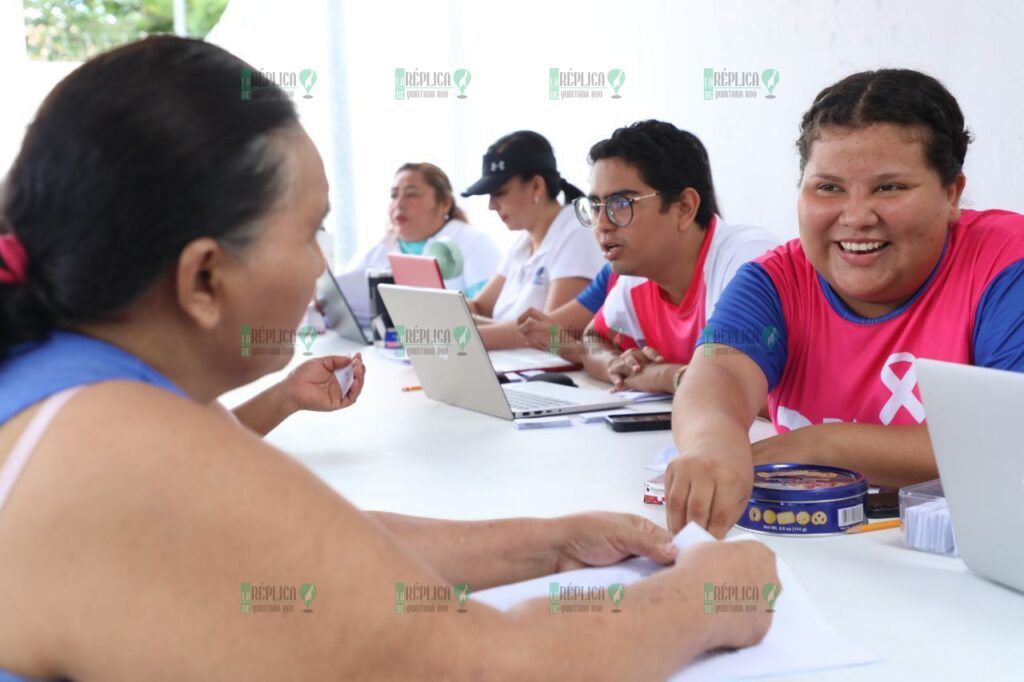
(618, 208)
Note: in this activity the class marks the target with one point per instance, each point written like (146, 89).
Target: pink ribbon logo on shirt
(902, 390)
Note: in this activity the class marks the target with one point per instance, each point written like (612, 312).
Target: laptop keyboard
(522, 401)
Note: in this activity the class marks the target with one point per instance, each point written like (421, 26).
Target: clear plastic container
(926, 523)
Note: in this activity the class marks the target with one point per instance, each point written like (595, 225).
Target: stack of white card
(928, 527)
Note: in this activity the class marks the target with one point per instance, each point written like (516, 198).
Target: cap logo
(497, 166)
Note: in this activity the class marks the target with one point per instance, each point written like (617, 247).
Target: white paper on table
(638, 397)
(393, 354)
(800, 640)
(526, 359)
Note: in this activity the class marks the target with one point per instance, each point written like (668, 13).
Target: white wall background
(663, 47)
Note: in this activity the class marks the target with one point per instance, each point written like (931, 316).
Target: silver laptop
(441, 340)
(337, 312)
(974, 423)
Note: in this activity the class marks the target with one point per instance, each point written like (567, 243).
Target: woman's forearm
(481, 553)
(710, 407)
(886, 455)
(502, 335)
(265, 411)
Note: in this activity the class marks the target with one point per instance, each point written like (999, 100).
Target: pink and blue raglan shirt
(824, 363)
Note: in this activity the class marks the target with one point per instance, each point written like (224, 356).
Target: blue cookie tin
(805, 499)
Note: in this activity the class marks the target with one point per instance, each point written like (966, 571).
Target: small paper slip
(637, 397)
(394, 354)
(542, 422)
(799, 640)
(661, 460)
(595, 417)
(346, 375)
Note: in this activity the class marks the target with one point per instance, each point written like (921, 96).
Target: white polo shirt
(568, 250)
(480, 255)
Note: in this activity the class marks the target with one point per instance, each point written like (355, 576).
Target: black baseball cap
(498, 167)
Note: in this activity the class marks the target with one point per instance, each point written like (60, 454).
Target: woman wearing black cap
(557, 256)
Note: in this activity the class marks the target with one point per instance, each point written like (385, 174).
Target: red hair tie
(15, 260)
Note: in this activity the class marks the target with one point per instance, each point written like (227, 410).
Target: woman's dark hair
(899, 96)
(133, 155)
(668, 159)
(529, 142)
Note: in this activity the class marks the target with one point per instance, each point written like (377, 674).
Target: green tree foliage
(74, 30)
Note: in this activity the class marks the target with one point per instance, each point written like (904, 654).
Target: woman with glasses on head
(422, 212)
(554, 257)
(150, 216)
(888, 268)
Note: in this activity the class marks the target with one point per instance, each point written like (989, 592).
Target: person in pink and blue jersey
(888, 269)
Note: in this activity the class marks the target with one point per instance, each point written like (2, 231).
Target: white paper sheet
(799, 641)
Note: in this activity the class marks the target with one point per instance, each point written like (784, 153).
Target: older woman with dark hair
(151, 215)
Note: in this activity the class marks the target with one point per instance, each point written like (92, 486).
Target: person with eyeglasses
(653, 210)
(552, 260)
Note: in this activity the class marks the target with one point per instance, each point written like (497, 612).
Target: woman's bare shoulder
(139, 519)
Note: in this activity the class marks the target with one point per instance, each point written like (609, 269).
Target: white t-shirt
(480, 255)
(568, 250)
(636, 307)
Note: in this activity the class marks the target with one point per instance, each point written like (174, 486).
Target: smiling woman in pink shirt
(888, 268)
